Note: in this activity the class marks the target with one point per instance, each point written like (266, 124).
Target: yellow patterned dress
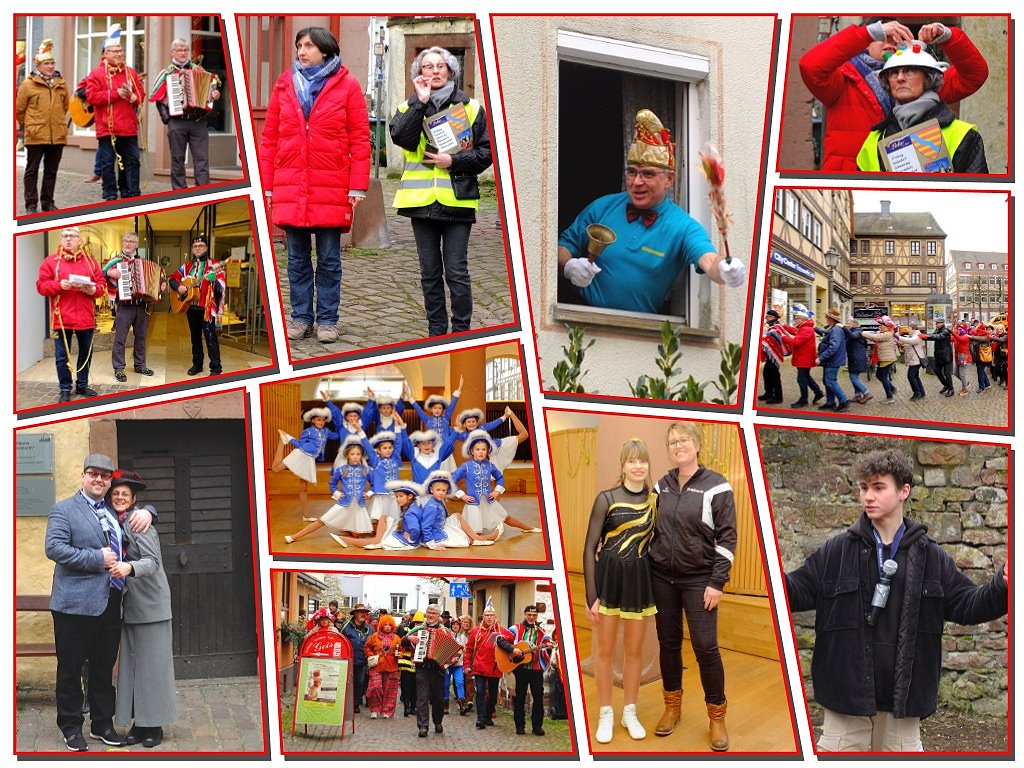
(616, 566)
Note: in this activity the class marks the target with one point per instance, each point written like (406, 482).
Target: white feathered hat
(470, 413)
(438, 476)
(423, 436)
(477, 436)
(325, 412)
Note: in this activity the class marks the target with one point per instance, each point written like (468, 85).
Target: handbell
(600, 237)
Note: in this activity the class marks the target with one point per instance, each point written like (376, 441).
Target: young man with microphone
(881, 591)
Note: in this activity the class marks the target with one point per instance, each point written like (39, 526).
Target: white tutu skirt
(383, 504)
(456, 537)
(448, 465)
(393, 538)
(502, 457)
(351, 518)
(302, 465)
(485, 515)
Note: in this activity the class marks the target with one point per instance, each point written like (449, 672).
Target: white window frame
(915, 247)
(890, 247)
(816, 231)
(690, 70)
(931, 249)
(793, 209)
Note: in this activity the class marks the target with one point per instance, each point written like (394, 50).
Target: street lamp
(832, 260)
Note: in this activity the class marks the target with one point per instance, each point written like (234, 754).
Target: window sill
(640, 323)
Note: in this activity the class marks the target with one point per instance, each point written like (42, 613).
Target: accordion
(140, 279)
(189, 89)
(437, 645)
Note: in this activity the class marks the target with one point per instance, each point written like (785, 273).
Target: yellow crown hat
(652, 145)
(45, 52)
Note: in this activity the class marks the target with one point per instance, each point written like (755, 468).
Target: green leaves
(569, 371)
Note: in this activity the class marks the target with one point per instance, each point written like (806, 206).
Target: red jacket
(804, 343)
(961, 347)
(851, 106)
(311, 166)
(478, 658)
(71, 310)
(114, 116)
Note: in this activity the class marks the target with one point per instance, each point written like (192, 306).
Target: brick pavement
(400, 735)
(381, 300)
(988, 409)
(221, 714)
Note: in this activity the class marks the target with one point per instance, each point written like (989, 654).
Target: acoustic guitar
(505, 661)
(80, 111)
(181, 303)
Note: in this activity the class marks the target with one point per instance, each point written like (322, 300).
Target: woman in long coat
(145, 678)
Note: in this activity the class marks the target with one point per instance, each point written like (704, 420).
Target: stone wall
(960, 493)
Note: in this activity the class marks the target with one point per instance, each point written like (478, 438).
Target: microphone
(881, 595)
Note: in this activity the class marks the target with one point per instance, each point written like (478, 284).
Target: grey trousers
(135, 317)
(183, 133)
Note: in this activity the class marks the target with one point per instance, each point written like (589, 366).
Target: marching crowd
(955, 351)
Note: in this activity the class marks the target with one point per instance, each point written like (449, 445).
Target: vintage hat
(438, 476)
(424, 436)
(99, 461)
(474, 437)
(833, 314)
(469, 413)
(382, 437)
(359, 608)
(913, 53)
(45, 52)
(113, 36)
(652, 145)
(435, 400)
(348, 408)
(312, 412)
(126, 477)
(773, 313)
(408, 486)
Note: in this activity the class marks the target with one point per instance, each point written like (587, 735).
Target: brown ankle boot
(719, 737)
(673, 703)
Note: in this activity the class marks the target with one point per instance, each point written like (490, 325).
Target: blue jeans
(117, 180)
(326, 276)
(983, 382)
(455, 673)
(443, 248)
(360, 675)
(914, 377)
(804, 380)
(858, 386)
(61, 358)
(834, 394)
(885, 376)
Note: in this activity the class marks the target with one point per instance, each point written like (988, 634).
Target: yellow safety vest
(423, 183)
(952, 135)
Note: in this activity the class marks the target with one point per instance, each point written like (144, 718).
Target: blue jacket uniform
(313, 441)
(477, 476)
(427, 526)
(442, 452)
(638, 269)
(441, 424)
(832, 347)
(382, 470)
(351, 481)
(461, 436)
(338, 419)
(371, 415)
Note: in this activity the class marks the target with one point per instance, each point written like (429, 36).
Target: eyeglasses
(70, 234)
(434, 67)
(98, 475)
(198, 245)
(905, 71)
(647, 174)
(679, 442)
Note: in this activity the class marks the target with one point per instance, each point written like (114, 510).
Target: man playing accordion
(131, 305)
(184, 94)
(441, 648)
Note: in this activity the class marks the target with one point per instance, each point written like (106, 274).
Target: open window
(602, 84)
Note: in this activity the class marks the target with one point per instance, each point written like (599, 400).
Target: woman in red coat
(842, 72)
(315, 164)
(805, 349)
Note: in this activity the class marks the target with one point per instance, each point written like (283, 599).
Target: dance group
(969, 343)
(109, 592)
(375, 508)
(386, 666)
(665, 550)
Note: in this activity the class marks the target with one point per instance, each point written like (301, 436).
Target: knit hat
(438, 476)
(313, 412)
(477, 436)
(45, 52)
(423, 436)
(469, 413)
(382, 437)
(652, 145)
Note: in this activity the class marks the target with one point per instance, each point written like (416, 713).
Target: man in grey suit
(84, 540)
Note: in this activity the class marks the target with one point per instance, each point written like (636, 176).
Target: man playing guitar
(199, 284)
(531, 646)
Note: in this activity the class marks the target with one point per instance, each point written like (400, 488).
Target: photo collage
(582, 386)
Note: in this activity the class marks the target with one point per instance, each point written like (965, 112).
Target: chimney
(885, 209)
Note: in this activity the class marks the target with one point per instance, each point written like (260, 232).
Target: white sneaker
(534, 530)
(288, 539)
(374, 546)
(373, 715)
(605, 725)
(631, 724)
(482, 543)
(337, 538)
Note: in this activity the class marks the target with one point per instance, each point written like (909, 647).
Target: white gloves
(733, 272)
(580, 272)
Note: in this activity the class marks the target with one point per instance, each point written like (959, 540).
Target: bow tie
(633, 213)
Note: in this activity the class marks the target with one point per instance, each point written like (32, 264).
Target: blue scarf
(869, 69)
(309, 81)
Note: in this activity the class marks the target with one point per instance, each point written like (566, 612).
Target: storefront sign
(34, 454)
(792, 265)
(321, 692)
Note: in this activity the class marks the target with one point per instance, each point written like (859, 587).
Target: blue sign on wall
(458, 589)
(791, 264)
